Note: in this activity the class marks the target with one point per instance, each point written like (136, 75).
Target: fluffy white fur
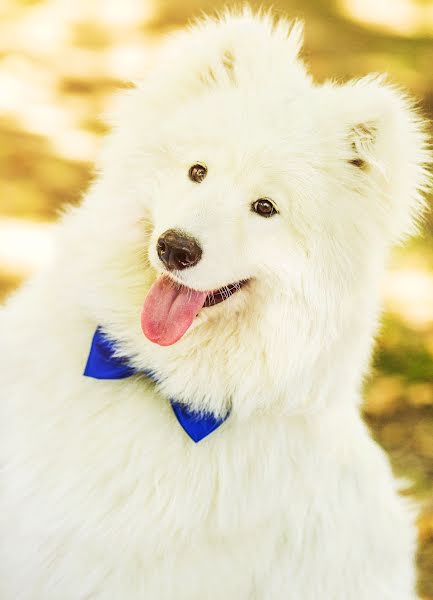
(104, 497)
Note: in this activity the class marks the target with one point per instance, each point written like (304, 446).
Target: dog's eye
(264, 208)
(197, 173)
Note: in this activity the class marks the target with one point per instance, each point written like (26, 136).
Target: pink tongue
(169, 310)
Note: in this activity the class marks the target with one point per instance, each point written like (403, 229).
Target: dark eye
(264, 208)
(197, 173)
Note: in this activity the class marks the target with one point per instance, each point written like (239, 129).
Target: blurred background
(60, 63)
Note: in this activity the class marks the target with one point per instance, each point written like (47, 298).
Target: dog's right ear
(383, 141)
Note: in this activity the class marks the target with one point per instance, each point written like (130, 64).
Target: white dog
(218, 285)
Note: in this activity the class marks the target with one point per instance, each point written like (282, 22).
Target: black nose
(178, 250)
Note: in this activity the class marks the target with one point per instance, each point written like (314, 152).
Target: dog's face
(225, 211)
(242, 191)
(221, 194)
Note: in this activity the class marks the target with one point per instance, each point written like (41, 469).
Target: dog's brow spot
(228, 61)
(208, 77)
(218, 73)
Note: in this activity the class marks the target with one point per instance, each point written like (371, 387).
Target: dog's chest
(115, 482)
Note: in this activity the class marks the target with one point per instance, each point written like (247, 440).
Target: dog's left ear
(385, 148)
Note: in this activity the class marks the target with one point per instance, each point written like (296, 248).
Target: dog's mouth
(224, 293)
(170, 308)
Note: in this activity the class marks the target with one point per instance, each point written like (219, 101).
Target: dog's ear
(223, 51)
(216, 52)
(385, 148)
(362, 139)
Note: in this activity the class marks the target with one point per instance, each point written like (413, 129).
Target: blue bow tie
(103, 364)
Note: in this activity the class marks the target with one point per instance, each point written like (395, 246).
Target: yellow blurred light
(126, 12)
(409, 293)
(403, 17)
(25, 247)
(42, 51)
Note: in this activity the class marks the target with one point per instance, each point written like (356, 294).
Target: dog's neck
(277, 353)
(266, 368)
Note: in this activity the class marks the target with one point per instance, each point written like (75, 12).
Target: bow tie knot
(102, 363)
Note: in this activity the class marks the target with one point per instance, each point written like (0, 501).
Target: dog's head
(247, 194)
